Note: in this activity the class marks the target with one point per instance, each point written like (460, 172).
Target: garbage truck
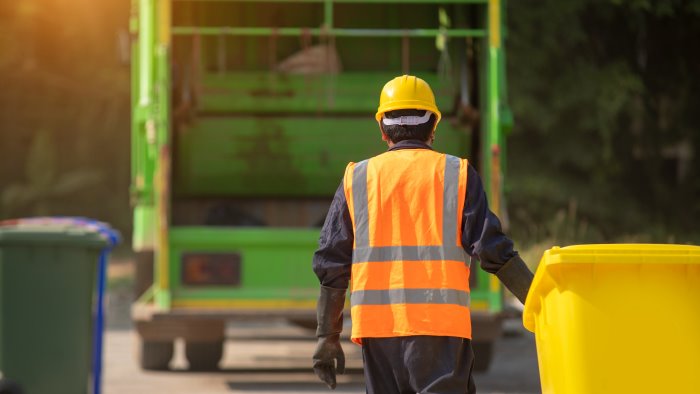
(245, 114)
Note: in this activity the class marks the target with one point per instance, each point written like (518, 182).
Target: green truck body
(245, 115)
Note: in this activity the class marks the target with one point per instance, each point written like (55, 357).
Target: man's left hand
(327, 353)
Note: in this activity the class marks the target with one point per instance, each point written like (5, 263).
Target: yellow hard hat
(407, 92)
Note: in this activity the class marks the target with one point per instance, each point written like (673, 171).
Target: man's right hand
(327, 352)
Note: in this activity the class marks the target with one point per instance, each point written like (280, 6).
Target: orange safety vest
(410, 274)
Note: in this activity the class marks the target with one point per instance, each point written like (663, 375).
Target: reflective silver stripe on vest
(448, 251)
(360, 203)
(410, 296)
(450, 201)
(408, 253)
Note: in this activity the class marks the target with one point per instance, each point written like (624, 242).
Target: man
(400, 231)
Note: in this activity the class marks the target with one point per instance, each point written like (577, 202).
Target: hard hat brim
(408, 104)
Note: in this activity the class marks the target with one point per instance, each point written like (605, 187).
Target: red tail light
(199, 269)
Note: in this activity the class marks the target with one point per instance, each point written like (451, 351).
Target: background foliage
(605, 95)
(64, 109)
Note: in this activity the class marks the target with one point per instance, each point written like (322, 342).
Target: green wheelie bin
(48, 277)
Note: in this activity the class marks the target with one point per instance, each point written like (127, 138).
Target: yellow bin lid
(602, 254)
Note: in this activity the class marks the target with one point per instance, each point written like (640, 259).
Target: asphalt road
(274, 358)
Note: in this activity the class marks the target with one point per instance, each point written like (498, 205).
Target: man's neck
(409, 144)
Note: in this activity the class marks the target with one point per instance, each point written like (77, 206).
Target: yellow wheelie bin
(617, 318)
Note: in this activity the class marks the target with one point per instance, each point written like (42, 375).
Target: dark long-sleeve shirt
(482, 236)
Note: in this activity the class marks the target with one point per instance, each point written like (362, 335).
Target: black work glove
(329, 313)
(516, 277)
(327, 352)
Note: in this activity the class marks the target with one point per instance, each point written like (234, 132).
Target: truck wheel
(483, 353)
(156, 355)
(204, 356)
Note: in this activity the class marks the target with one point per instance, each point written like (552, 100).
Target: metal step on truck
(245, 114)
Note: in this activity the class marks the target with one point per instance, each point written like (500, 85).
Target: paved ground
(272, 359)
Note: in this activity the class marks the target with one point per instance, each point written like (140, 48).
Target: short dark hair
(419, 132)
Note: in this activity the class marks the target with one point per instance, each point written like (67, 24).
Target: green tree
(604, 94)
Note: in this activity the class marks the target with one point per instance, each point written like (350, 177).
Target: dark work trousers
(418, 364)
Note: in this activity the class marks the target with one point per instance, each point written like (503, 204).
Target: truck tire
(156, 355)
(204, 356)
(483, 354)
